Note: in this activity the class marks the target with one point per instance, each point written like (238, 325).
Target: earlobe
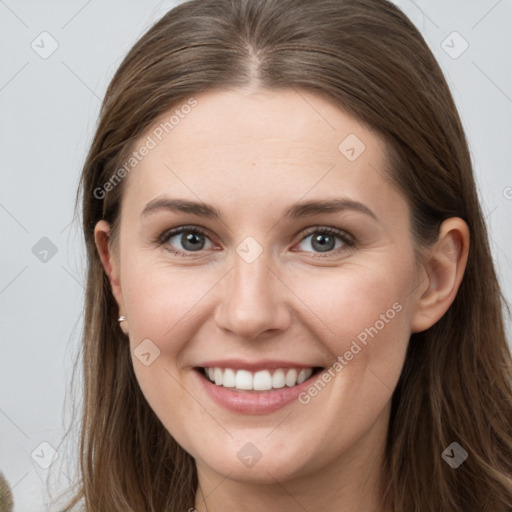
(108, 259)
(444, 268)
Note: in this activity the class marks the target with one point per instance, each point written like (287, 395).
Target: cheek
(360, 304)
(363, 318)
(357, 312)
(161, 301)
(364, 322)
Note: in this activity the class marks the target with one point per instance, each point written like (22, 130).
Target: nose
(253, 300)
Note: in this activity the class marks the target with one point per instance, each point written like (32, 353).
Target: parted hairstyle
(367, 57)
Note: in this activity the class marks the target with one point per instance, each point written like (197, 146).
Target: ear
(109, 260)
(443, 269)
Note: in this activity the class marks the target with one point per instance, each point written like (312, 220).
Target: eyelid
(180, 229)
(348, 240)
(344, 235)
(162, 239)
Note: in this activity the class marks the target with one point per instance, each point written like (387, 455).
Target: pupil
(192, 239)
(323, 241)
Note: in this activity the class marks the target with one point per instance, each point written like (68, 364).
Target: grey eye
(322, 241)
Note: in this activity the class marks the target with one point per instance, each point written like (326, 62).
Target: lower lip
(253, 402)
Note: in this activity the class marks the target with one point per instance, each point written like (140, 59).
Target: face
(264, 288)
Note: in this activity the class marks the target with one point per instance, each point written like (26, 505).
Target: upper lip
(264, 364)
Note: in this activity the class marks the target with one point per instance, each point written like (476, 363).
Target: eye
(324, 240)
(186, 240)
(191, 239)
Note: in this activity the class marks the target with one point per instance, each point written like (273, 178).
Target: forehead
(257, 146)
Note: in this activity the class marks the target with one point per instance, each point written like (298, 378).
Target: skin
(251, 154)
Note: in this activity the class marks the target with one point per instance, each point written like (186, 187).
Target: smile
(256, 391)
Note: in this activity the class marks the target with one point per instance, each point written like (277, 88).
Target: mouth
(257, 381)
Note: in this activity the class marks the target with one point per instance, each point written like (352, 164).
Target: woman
(291, 302)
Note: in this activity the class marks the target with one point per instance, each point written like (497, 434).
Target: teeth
(228, 379)
(291, 377)
(278, 379)
(262, 380)
(303, 375)
(243, 379)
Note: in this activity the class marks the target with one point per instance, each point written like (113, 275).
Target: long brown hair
(368, 58)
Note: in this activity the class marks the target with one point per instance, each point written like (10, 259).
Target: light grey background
(48, 112)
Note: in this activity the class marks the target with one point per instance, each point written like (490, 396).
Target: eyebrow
(297, 210)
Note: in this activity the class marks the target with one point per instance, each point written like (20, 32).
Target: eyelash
(348, 241)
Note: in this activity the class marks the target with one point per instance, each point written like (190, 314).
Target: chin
(251, 465)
